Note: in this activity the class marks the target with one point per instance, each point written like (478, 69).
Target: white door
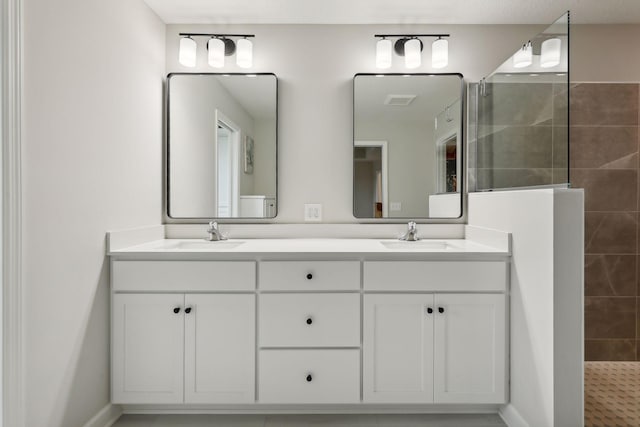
(398, 348)
(147, 353)
(470, 354)
(219, 348)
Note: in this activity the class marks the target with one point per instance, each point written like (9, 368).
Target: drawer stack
(309, 332)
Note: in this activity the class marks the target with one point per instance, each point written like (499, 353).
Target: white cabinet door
(147, 353)
(397, 348)
(219, 348)
(470, 354)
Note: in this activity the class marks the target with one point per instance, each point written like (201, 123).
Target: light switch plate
(313, 212)
(395, 206)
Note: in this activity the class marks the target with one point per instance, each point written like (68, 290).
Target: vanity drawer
(183, 276)
(309, 376)
(447, 276)
(309, 275)
(309, 320)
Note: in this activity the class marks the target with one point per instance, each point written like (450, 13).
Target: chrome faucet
(412, 232)
(214, 234)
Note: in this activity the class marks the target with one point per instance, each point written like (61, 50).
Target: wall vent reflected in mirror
(407, 155)
(221, 146)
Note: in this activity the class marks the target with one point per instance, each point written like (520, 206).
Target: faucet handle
(412, 226)
(213, 225)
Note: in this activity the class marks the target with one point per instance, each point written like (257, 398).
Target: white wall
(546, 300)
(315, 65)
(92, 153)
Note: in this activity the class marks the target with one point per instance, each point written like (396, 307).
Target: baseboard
(106, 417)
(512, 417)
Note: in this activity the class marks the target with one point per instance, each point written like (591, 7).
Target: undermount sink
(420, 245)
(207, 245)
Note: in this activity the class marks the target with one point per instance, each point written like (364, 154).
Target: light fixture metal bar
(412, 35)
(215, 35)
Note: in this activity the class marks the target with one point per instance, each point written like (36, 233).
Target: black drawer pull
(440, 310)
(429, 310)
(309, 320)
(309, 378)
(176, 310)
(309, 276)
(187, 310)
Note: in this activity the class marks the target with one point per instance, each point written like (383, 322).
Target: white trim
(236, 134)
(385, 171)
(13, 350)
(106, 417)
(511, 416)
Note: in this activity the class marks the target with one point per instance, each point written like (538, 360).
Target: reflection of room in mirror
(222, 146)
(370, 175)
(418, 118)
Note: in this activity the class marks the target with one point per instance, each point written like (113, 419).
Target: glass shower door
(522, 132)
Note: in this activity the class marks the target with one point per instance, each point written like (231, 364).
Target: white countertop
(311, 246)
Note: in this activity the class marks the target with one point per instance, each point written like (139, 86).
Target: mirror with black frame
(221, 145)
(407, 156)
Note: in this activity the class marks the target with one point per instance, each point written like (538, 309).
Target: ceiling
(394, 11)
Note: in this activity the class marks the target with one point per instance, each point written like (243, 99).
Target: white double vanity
(296, 323)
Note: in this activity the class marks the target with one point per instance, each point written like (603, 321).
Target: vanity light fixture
(187, 53)
(439, 53)
(524, 56)
(410, 46)
(218, 46)
(244, 57)
(412, 53)
(215, 49)
(383, 53)
(550, 53)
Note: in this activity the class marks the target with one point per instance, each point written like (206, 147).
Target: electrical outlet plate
(313, 212)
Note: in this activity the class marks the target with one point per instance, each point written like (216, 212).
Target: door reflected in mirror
(407, 158)
(221, 145)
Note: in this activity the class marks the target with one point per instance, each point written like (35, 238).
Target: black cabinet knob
(429, 310)
(176, 310)
(309, 378)
(309, 320)
(440, 309)
(187, 310)
(309, 276)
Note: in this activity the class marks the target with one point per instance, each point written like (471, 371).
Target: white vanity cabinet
(298, 331)
(184, 347)
(426, 345)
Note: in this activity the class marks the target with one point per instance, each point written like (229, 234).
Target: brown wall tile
(610, 275)
(516, 147)
(505, 178)
(607, 189)
(610, 350)
(604, 147)
(610, 233)
(516, 104)
(610, 317)
(607, 104)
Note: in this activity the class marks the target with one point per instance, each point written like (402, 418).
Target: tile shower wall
(605, 162)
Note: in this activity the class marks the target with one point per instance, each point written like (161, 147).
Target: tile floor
(612, 394)
(612, 399)
(472, 420)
